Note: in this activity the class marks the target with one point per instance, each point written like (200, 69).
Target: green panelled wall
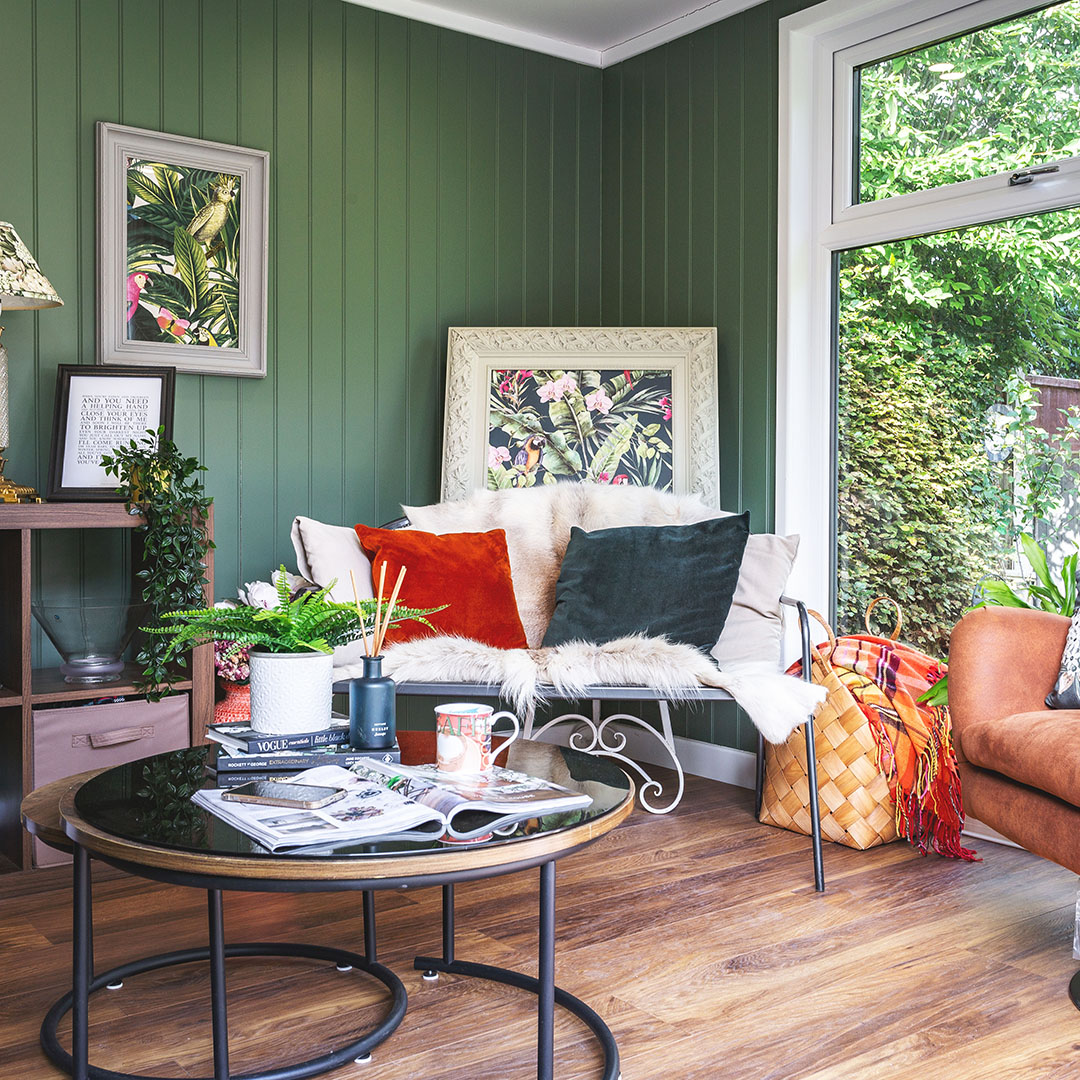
(689, 203)
(419, 179)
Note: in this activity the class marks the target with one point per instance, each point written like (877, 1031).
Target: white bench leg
(597, 736)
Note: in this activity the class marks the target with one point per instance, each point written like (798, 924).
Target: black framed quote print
(97, 410)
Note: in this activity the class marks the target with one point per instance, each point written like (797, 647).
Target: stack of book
(245, 754)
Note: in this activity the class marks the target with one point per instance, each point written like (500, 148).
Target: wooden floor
(697, 936)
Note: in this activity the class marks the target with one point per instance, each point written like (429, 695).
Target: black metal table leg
(80, 966)
(218, 1005)
(448, 923)
(547, 993)
(370, 944)
(545, 998)
(1074, 989)
(432, 974)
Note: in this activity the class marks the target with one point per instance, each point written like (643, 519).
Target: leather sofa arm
(1002, 661)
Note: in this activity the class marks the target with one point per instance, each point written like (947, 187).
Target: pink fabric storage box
(71, 740)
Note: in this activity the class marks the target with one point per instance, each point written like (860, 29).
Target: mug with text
(464, 736)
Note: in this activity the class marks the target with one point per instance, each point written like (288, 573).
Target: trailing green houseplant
(159, 482)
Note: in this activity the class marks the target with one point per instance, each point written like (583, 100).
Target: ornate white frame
(253, 167)
(688, 352)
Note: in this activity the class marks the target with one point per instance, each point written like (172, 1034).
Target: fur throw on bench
(776, 703)
(537, 522)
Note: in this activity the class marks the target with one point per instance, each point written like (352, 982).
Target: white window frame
(819, 51)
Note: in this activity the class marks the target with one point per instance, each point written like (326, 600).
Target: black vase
(372, 712)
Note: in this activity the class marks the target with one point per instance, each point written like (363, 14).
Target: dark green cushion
(670, 580)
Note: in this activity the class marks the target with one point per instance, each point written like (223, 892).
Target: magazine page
(369, 809)
(502, 792)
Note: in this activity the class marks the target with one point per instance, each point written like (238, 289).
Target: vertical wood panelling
(259, 547)
(424, 373)
(400, 204)
(689, 211)
(510, 194)
(220, 436)
(419, 179)
(326, 290)
(360, 265)
(392, 232)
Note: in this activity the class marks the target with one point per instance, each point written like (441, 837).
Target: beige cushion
(753, 633)
(326, 553)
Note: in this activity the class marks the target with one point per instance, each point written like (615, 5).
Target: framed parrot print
(610, 405)
(182, 245)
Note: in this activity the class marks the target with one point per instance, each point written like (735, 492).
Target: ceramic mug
(464, 736)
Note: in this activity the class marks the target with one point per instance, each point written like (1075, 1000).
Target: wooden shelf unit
(22, 687)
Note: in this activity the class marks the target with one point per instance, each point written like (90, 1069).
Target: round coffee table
(139, 817)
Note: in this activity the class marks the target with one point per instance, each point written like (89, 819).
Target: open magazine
(388, 799)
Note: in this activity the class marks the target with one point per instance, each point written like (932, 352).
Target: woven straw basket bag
(856, 807)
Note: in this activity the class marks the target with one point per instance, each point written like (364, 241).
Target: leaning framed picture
(99, 409)
(182, 252)
(608, 405)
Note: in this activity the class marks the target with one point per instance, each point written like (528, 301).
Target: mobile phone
(275, 793)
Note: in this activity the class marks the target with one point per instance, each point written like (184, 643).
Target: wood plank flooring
(698, 937)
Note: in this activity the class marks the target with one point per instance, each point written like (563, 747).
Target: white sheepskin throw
(537, 522)
(776, 703)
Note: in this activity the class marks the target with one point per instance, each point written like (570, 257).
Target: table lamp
(22, 285)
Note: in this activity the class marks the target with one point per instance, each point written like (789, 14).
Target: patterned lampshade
(22, 284)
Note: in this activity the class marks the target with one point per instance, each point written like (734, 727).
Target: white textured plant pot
(291, 692)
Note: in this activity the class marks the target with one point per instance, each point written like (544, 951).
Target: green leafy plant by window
(1047, 592)
(159, 482)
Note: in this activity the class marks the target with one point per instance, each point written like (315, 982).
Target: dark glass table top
(148, 801)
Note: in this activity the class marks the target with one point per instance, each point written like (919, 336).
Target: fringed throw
(914, 741)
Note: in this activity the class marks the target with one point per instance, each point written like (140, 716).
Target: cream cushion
(326, 553)
(754, 632)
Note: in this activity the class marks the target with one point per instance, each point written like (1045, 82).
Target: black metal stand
(547, 993)
(84, 983)
(811, 752)
(1074, 989)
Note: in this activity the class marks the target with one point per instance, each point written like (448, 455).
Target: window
(952, 169)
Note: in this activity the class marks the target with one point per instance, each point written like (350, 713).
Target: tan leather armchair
(1019, 760)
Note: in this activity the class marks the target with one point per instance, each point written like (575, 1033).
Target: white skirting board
(726, 764)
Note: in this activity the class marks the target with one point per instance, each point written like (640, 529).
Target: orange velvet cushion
(468, 571)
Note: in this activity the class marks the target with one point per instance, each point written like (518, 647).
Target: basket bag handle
(814, 649)
(895, 635)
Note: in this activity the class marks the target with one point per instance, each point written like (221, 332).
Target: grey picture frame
(116, 144)
(688, 353)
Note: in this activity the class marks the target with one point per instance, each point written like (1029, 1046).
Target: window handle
(1025, 176)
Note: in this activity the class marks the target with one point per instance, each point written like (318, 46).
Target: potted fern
(290, 648)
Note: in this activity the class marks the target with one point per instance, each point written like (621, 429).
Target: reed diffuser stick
(378, 609)
(390, 608)
(359, 613)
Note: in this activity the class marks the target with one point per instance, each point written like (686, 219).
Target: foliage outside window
(937, 334)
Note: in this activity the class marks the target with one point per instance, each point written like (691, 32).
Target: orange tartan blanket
(914, 741)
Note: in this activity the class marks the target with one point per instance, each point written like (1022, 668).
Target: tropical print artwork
(183, 255)
(609, 427)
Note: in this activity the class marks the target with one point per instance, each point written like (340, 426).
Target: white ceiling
(596, 32)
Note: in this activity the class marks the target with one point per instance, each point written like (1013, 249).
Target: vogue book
(231, 761)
